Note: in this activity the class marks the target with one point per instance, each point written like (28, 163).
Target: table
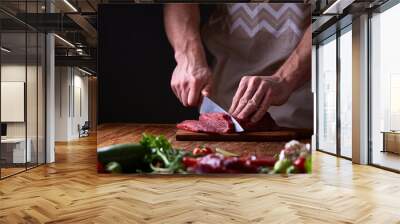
(391, 141)
(13, 150)
(116, 133)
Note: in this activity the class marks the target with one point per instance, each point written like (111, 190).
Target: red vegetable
(212, 163)
(239, 165)
(207, 150)
(202, 151)
(262, 161)
(189, 161)
(197, 151)
(217, 163)
(234, 163)
(100, 167)
(299, 163)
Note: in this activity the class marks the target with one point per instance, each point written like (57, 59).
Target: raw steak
(209, 122)
(221, 123)
(265, 124)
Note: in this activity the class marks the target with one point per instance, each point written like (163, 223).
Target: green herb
(151, 141)
(163, 158)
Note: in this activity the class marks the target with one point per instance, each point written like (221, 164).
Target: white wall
(70, 83)
(80, 84)
(62, 81)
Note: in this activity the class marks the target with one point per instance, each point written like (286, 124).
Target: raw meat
(191, 125)
(265, 124)
(221, 123)
(209, 122)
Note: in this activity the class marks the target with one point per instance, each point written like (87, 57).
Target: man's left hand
(256, 94)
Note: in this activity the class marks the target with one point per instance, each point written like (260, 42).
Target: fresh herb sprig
(163, 158)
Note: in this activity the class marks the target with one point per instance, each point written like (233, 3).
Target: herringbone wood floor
(70, 191)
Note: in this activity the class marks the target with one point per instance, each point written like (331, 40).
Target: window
(346, 92)
(385, 89)
(327, 95)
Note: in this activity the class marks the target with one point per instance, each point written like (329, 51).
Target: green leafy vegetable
(163, 159)
(151, 141)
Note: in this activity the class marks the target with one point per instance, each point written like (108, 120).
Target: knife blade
(209, 106)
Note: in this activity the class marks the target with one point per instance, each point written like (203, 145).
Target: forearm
(297, 68)
(182, 25)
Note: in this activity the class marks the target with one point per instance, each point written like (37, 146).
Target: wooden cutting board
(284, 134)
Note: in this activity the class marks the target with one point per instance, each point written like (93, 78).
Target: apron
(256, 39)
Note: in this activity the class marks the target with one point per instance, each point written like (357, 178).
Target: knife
(209, 106)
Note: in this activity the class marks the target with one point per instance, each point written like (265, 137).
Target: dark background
(135, 63)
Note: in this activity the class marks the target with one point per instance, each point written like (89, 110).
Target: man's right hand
(192, 77)
(190, 80)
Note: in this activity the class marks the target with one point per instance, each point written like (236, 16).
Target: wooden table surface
(109, 134)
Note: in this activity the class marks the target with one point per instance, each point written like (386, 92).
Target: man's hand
(192, 76)
(256, 94)
(189, 81)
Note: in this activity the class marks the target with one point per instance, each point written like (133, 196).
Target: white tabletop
(13, 140)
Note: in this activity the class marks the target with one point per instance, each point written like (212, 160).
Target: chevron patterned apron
(257, 38)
